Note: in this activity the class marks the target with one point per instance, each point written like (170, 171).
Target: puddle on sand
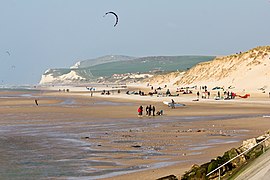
(39, 151)
(124, 141)
(197, 148)
(109, 103)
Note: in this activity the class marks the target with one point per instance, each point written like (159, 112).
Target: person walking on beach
(208, 93)
(168, 93)
(36, 102)
(173, 104)
(147, 109)
(140, 111)
(154, 109)
(198, 94)
(91, 92)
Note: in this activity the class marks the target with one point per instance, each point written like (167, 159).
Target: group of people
(105, 93)
(229, 95)
(149, 111)
(204, 94)
(64, 90)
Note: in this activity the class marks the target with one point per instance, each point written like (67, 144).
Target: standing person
(36, 102)
(208, 93)
(173, 104)
(91, 93)
(198, 94)
(218, 94)
(269, 94)
(154, 109)
(140, 111)
(168, 93)
(147, 109)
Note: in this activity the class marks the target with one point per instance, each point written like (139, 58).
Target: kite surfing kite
(116, 17)
(8, 53)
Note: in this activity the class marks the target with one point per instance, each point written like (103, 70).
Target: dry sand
(177, 139)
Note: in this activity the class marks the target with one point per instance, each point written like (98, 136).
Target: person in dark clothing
(198, 94)
(153, 109)
(208, 93)
(173, 104)
(36, 102)
(168, 93)
(149, 110)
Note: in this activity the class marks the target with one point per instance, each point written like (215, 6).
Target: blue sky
(42, 34)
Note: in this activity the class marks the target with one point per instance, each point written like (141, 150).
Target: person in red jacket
(140, 111)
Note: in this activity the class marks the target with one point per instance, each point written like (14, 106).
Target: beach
(71, 135)
(137, 90)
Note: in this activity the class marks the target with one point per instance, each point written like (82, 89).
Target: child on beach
(159, 113)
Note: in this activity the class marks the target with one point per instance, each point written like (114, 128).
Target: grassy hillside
(106, 66)
(145, 64)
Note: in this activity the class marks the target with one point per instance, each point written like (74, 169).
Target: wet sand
(77, 136)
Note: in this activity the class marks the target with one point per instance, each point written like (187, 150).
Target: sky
(43, 34)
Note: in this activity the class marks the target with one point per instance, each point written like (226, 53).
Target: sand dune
(246, 71)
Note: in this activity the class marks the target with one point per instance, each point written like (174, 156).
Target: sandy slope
(246, 71)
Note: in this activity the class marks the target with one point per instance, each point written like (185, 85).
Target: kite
(116, 20)
(8, 53)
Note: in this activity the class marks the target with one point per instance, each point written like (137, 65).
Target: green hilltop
(106, 66)
(146, 64)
